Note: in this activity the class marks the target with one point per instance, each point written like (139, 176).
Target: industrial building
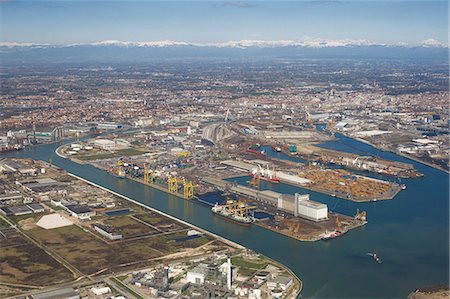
(107, 231)
(81, 212)
(198, 274)
(66, 293)
(301, 206)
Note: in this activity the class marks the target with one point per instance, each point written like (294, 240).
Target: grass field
(96, 157)
(89, 156)
(249, 264)
(3, 223)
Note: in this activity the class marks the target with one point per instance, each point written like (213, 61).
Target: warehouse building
(81, 212)
(107, 231)
(301, 206)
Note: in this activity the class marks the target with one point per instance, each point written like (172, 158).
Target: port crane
(188, 189)
(238, 208)
(148, 175)
(172, 184)
(361, 216)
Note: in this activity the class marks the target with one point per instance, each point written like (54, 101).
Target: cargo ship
(234, 211)
(264, 174)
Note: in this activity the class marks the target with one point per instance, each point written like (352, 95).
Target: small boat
(330, 235)
(333, 195)
(375, 257)
(278, 149)
(403, 187)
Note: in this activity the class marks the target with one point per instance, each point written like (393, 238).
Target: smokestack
(166, 276)
(229, 274)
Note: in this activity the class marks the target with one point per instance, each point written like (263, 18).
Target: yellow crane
(238, 207)
(148, 175)
(188, 189)
(183, 154)
(172, 183)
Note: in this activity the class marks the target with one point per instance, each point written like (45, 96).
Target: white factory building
(198, 274)
(301, 206)
(107, 144)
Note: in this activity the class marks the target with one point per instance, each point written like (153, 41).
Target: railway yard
(57, 230)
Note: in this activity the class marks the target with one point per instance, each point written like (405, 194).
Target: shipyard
(196, 166)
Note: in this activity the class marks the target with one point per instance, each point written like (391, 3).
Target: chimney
(229, 274)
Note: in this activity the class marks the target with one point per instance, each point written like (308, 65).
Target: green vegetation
(3, 223)
(125, 287)
(100, 155)
(122, 277)
(241, 262)
(246, 272)
(96, 157)
(130, 152)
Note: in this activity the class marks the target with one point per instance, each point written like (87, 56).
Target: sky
(68, 22)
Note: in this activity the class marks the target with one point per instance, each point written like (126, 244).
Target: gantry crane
(361, 216)
(172, 184)
(188, 189)
(238, 208)
(148, 175)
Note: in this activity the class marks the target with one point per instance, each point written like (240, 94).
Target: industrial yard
(59, 230)
(192, 161)
(164, 173)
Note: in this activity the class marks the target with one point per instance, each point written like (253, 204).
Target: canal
(410, 233)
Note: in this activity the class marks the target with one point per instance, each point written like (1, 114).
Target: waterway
(410, 233)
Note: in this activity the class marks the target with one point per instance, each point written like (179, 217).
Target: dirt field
(90, 254)
(22, 262)
(129, 227)
(161, 222)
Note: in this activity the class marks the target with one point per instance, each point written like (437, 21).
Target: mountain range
(127, 51)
